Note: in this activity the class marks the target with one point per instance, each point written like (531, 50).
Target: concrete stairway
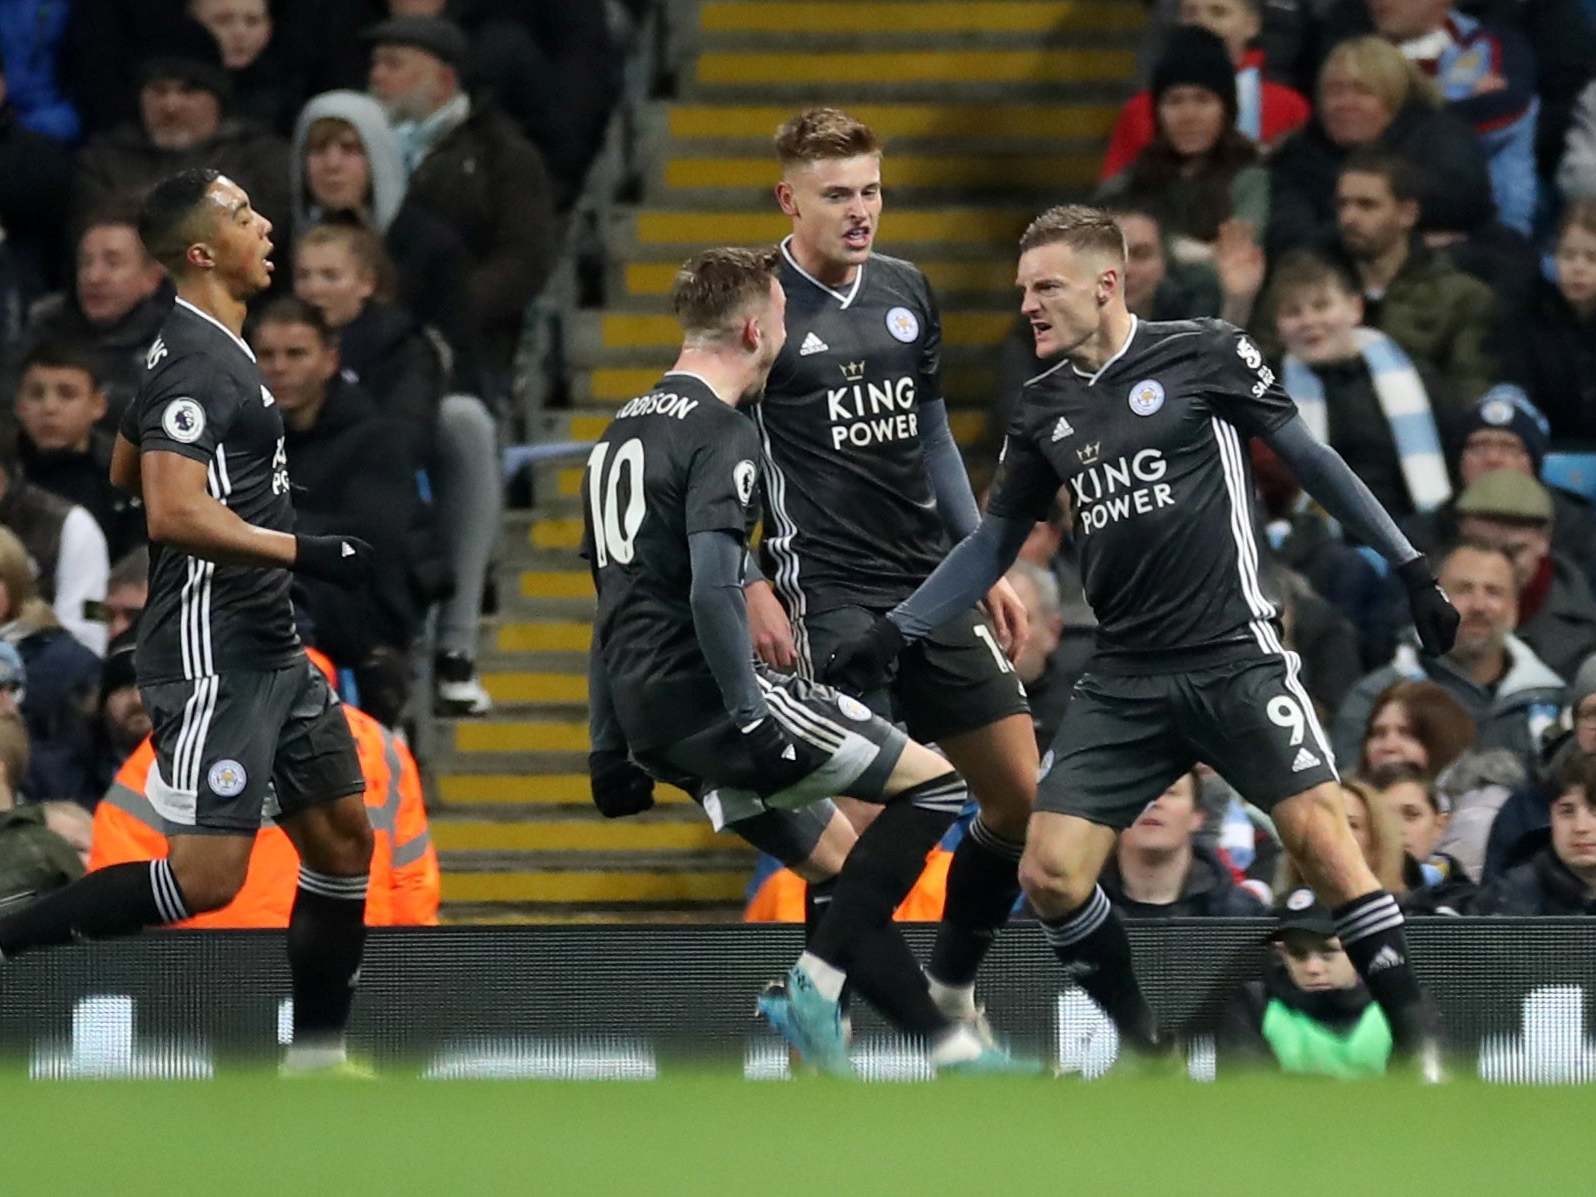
(991, 110)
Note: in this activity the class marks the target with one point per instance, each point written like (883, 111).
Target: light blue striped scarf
(1405, 404)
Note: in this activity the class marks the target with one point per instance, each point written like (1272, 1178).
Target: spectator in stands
(32, 37)
(115, 307)
(1550, 346)
(15, 751)
(121, 723)
(1198, 171)
(1266, 111)
(1556, 612)
(1356, 387)
(1434, 882)
(1378, 837)
(1576, 170)
(183, 122)
(1509, 692)
(469, 498)
(62, 446)
(1415, 295)
(1322, 636)
(267, 83)
(13, 683)
(1155, 288)
(126, 592)
(1486, 76)
(1161, 870)
(1505, 431)
(35, 188)
(1037, 587)
(34, 858)
(340, 268)
(554, 68)
(1309, 1014)
(404, 888)
(469, 164)
(355, 471)
(1369, 95)
(1559, 878)
(1417, 724)
(346, 162)
(62, 546)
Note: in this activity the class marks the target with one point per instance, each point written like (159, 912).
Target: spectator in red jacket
(1266, 111)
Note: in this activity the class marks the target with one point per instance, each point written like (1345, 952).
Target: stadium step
(990, 109)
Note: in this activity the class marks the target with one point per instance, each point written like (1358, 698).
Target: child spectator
(267, 86)
(1551, 346)
(1559, 877)
(1357, 389)
(1309, 1014)
(65, 448)
(1266, 111)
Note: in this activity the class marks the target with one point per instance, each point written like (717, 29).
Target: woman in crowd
(1370, 95)
(1434, 879)
(1550, 346)
(1378, 839)
(1415, 723)
(1198, 172)
(340, 268)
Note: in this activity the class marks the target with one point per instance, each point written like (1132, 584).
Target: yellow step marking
(968, 426)
(563, 584)
(580, 835)
(553, 533)
(966, 16)
(536, 687)
(588, 428)
(985, 122)
(1040, 65)
(538, 789)
(609, 886)
(569, 482)
(962, 170)
(546, 636)
(505, 735)
(640, 330)
(963, 226)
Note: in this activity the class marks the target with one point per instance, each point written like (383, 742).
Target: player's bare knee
(1051, 886)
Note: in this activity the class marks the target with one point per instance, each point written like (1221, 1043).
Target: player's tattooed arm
(720, 619)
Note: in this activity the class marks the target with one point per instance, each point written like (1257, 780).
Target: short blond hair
(16, 574)
(714, 287)
(819, 134)
(1384, 69)
(1081, 227)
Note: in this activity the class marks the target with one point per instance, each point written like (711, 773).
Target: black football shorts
(954, 681)
(235, 747)
(1124, 739)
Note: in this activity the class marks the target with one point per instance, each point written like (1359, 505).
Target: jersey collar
(845, 298)
(232, 336)
(699, 378)
(1118, 353)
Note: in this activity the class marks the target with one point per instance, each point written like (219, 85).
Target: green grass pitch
(693, 1132)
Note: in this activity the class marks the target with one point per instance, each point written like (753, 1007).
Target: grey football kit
(864, 483)
(671, 496)
(243, 723)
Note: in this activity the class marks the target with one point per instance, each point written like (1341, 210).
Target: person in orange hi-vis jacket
(404, 885)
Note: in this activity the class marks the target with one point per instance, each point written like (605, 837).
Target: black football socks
(1091, 944)
(108, 902)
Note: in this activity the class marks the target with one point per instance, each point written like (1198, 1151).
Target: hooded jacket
(1209, 892)
(428, 255)
(1524, 703)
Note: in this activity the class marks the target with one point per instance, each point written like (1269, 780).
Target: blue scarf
(1406, 406)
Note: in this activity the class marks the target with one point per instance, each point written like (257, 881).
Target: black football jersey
(1153, 450)
(850, 517)
(673, 462)
(201, 397)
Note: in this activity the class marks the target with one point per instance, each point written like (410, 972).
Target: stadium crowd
(1396, 197)
(417, 159)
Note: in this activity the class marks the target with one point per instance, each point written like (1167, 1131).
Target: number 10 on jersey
(615, 531)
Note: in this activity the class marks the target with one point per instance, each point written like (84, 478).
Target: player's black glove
(1434, 617)
(619, 787)
(860, 665)
(342, 560)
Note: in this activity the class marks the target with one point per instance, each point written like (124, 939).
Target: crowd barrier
(619, 1002)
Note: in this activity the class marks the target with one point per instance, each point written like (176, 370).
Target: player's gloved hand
(342, 560)
(860, 665)
(1434, 617)
(619, 787)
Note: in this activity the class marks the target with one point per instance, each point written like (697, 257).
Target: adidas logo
(1305, 760)
(1062, 429)
(345, 549)
(812, 344)
(789, 753)
(1386, 957)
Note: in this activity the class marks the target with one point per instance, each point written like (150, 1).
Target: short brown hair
(1079, 226)
(817, 134)
(1580, 214)
(715, 286)
(1399, 173)
(290, 309)
(1302, 269)
(327, 129)
(363, 244)
(1577, 771)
